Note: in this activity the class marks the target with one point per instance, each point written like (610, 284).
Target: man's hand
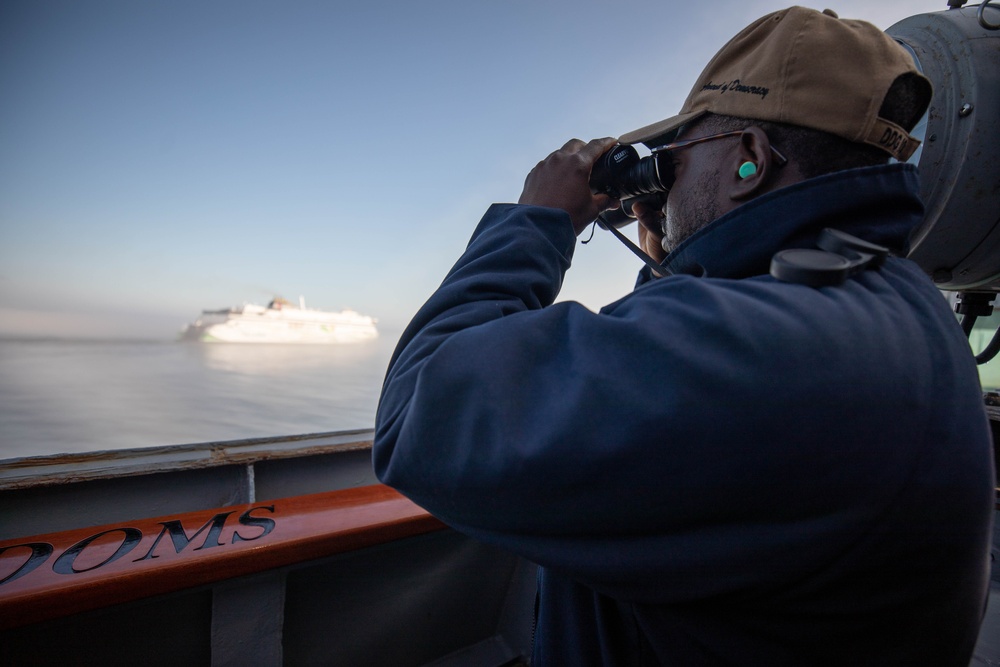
(562, 180)
(650, 229)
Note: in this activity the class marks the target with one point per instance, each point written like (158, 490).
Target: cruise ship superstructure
(280, 322)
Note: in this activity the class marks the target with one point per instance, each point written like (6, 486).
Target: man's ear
(753, 169)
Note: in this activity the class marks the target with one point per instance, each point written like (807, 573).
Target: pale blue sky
(162, 157)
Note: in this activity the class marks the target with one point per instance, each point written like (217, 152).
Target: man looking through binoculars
(733, 464)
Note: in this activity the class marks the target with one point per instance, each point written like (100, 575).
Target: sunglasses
(664, 164)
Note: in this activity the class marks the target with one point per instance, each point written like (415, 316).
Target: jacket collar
(879, 204)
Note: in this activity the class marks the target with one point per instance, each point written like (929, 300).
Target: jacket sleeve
(490, 398)
(521, 422)
(634, 445)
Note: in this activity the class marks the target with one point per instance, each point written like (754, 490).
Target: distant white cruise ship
(280, 322)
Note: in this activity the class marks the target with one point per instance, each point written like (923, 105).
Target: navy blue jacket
(719, 468)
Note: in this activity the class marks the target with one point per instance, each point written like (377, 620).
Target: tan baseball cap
(806, 68)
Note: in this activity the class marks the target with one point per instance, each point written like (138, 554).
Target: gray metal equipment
(958, 243)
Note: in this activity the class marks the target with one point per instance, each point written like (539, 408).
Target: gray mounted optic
(958, 244)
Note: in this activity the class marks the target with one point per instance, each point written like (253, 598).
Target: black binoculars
(620, 173)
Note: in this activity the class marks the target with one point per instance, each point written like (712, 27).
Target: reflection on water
(268, 359)
(71, 396)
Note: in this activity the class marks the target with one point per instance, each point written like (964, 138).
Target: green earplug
(747, 169)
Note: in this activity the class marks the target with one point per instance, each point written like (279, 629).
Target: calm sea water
(75, 396)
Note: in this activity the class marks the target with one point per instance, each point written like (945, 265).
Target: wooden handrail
(58, 574)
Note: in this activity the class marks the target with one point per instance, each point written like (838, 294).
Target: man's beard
(686, 214)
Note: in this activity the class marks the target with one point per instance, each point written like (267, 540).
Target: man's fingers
(648, 216)
(585, 151)
(572, 146)
(561, 181)
(597, 147)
